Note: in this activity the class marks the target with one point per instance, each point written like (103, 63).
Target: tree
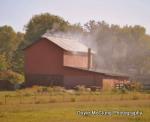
(3, 62)
(9, 41)
(39, 24)
(75, 29)
(18, 57)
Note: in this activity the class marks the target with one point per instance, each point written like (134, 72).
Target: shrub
(135, 97)
(27, 95)
(1, 103)
(13, 77)
(58, 89)
(52, 100)
(44, 89)
(77, 93)
(88, 89)
(120, 91)
(72, 99)
(37, 102)
(70, 91)
(134, 86)
(36, 89)
(80, 88)
(2, 115)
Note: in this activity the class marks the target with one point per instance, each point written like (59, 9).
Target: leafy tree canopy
(39, 24)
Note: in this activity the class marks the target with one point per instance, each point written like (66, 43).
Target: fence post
(5, 98)
(34, 97)
(20, 96)
(50, 96)
(63, 97)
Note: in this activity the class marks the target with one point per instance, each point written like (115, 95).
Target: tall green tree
(9, 42)
(18, 57)
(39, 24)
(3, 62)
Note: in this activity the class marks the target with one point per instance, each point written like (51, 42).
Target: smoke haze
(117, 49)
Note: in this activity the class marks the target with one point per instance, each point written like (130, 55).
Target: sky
(17, 13)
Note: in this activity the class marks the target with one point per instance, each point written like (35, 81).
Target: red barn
(54, 60)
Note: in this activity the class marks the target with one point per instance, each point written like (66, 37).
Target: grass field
(64, 107)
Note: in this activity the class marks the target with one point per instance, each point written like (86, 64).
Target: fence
(63, 97)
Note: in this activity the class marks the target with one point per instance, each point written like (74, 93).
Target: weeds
(59, 94)
(72, 99)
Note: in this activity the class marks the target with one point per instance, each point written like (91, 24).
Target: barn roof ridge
(67, 44)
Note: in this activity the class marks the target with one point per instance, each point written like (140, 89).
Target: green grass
(63, 107)
(62, 112)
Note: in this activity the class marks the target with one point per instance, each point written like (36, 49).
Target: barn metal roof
(67, 44)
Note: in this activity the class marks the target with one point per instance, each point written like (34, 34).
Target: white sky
(122, 12)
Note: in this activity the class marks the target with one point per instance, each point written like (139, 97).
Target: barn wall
(73, 77)
(6, 85)
(43, 64)
(44, 57)
(44, 80)
(76, 60)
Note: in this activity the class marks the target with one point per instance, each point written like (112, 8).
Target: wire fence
(62, 97)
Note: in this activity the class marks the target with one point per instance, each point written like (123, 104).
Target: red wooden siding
(74, 60)
(43, 58)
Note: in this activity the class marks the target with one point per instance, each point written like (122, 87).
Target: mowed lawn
(66, 111)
